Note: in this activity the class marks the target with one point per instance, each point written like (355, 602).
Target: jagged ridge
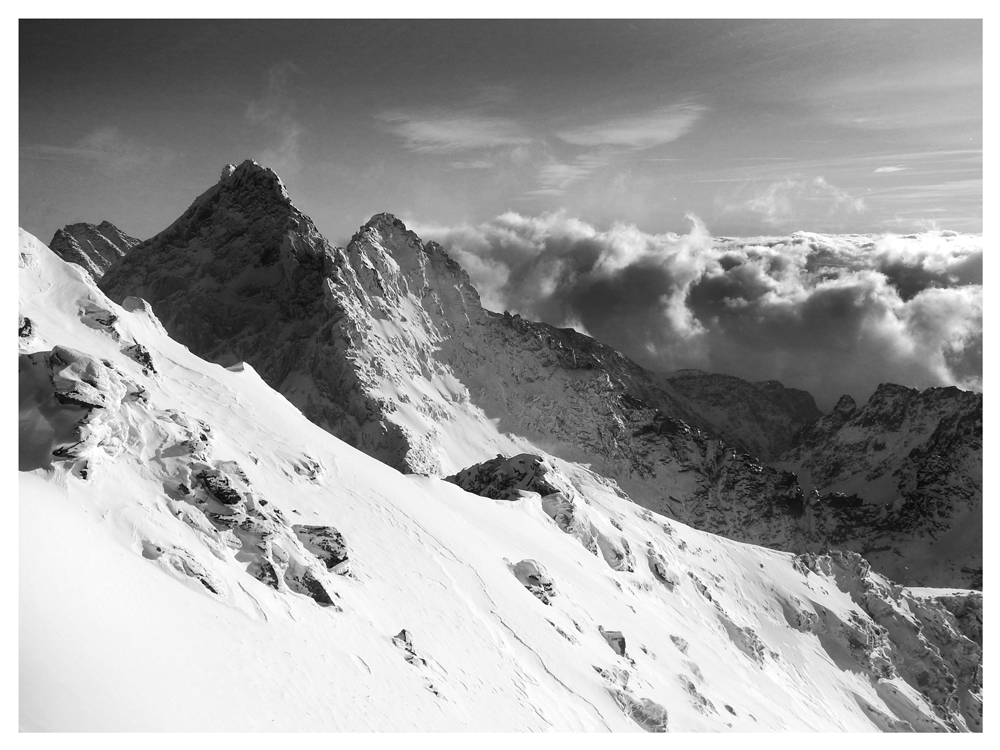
(94, 248)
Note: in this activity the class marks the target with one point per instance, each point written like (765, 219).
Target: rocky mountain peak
(386, 222)
(392, 260)
(253, 175)
(845, 406)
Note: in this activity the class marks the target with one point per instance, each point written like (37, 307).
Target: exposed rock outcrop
(533, 576)
(94, 248)
(899, 479)
(505, 478)
(756, 418)
(615, 639)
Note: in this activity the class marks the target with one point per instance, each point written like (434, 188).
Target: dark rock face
(505, 478)
(219, 487)
(94, 248)
(897, 478)
(756, 418)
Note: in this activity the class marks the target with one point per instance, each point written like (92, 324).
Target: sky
(754, 126)
(480, 134)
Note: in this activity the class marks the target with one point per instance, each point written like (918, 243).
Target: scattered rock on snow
(404, 641)
(648, 714)
(534, 577)
(140, 354)
(218, 486)
(99, 319)
(304, 581)
(615, 639)
(658, 567)
(326, 543)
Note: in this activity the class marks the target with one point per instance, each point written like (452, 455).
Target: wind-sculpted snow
(187, 526)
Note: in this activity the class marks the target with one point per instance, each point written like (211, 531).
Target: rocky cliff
(91, 247)
(757, 418)
(907, 467)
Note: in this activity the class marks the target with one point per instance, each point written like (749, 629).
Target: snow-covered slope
(91, 247)
(196, 555)
(908, 466)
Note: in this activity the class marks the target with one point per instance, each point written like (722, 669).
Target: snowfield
(195, 555)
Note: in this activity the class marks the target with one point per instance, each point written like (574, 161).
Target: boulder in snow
(615, 639)
(534, 577)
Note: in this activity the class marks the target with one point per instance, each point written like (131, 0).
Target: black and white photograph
(500, 375)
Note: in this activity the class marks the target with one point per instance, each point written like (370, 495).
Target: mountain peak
(386, 219)
(845, 406)
(388, 226)
(250, 173)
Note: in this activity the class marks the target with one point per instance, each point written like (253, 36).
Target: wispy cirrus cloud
(792, 198)
(610, 139)
(274, 111)
(450, 132)
(918, 98)
(555, 177)
(108, 147)
(473, 164)
(638, 131)
(886, 170)
(477, 127)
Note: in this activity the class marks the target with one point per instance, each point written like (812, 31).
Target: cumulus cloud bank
(832, 314)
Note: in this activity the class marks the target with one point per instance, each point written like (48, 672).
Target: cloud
(473, 164)
(556, 176)
(638, 131)
(108, 147)
(792, 198)
(882, 170)
(444, 133)
(833, 314)
(274, 113)
(609, 140)
(474, 128)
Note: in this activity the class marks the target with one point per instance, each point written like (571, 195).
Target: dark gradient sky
(753, 126)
